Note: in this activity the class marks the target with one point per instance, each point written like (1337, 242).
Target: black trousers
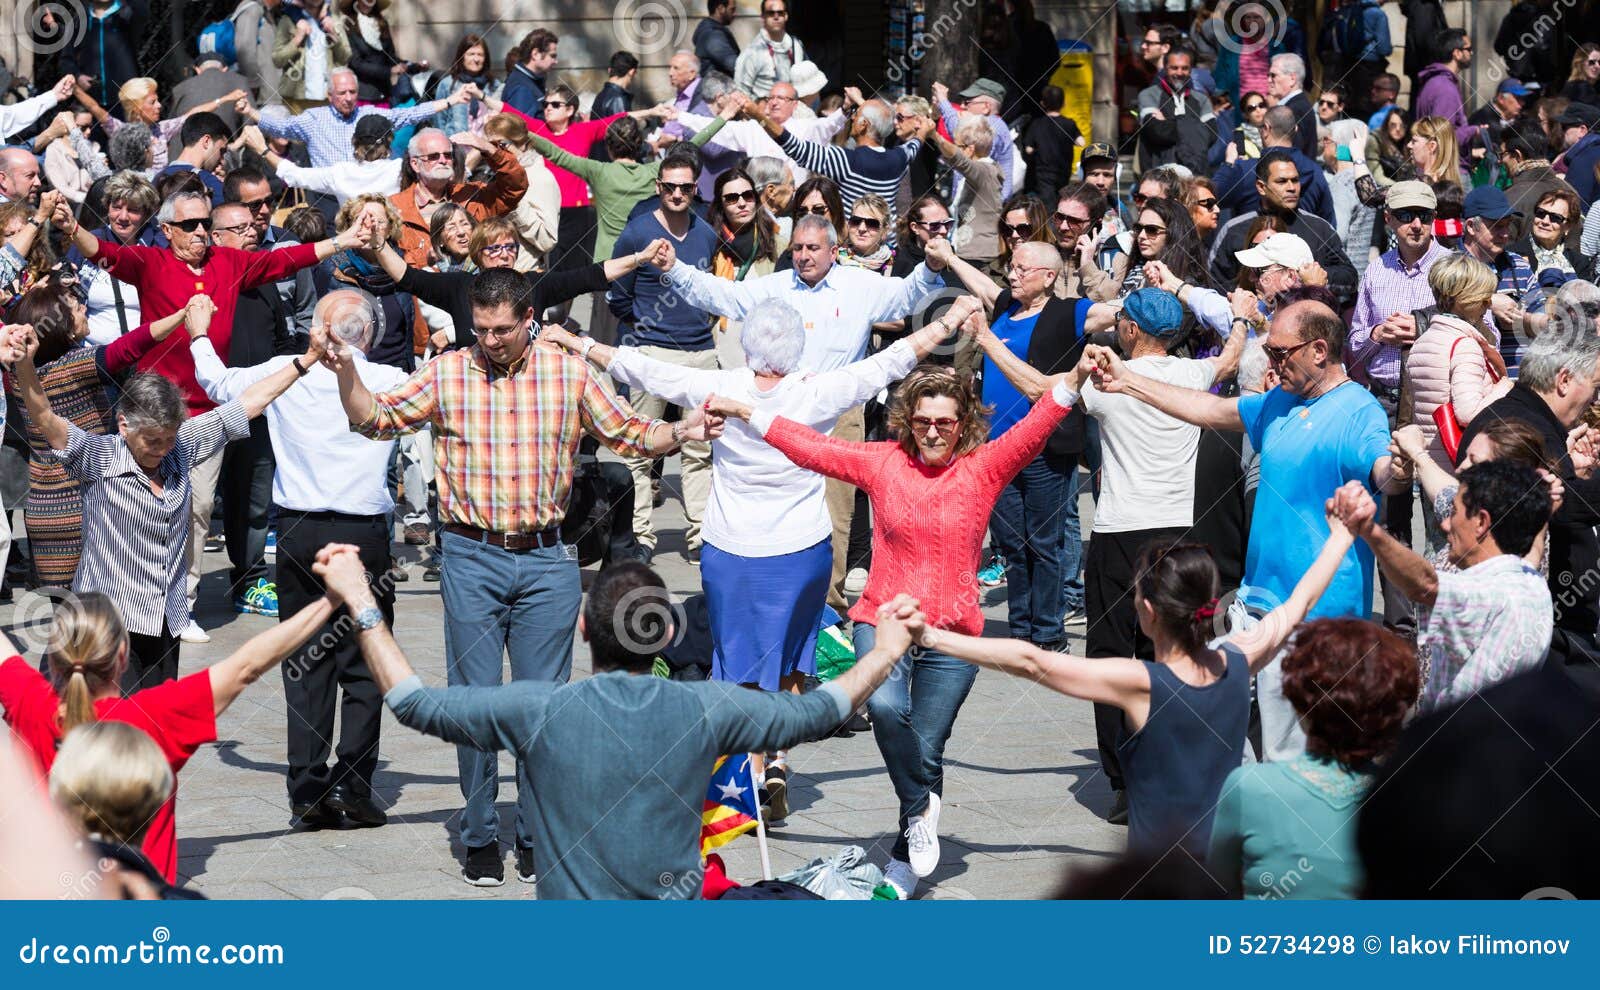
(151, 660)
(1108, 573)
(330, 661)
(246, 483)
(575, 235)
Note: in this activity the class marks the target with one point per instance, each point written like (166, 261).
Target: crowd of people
(347, 301)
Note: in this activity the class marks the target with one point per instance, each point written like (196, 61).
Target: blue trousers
(1026, 527)
(521, 603)
(913, 712)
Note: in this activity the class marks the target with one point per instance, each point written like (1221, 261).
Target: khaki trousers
(841, 499)
(202, 497)
(696, 474)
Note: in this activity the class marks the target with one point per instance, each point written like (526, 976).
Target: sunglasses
(1017, 229)
(1278, 355)
(1248, 107)
(1068, 220)
(944, 424)
(1591, 61)
(437, 156)
(816, 211)
(774, 13)
(682, 188)
(1411, 215)
(1548, 217)
(556, 104)
(937, 226)
(747, 196)
(255, 204)
(1207, 204)
(1330, 104)
(871, 223)
(1139, 199)
(1149, 229)
(190, 226)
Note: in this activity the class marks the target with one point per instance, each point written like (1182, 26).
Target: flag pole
(761, 826)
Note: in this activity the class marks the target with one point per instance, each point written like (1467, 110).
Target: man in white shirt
(771, 57)
(331, 486)
(21, 116)
(752, 139)
(1146, 487)
(373, 169)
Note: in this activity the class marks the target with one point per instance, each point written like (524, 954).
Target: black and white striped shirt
(858, 170)
(135, 542)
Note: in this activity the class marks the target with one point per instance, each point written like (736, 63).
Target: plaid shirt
(327, 135)
(505, 441)
(1490, 622)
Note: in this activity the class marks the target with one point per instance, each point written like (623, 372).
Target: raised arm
(1261, 643)
(584, 168)
(1411, 573)
(703, 290)
(972, 278)
(264, 651)
(1197, 408)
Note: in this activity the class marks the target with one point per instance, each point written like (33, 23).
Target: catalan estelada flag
(732, 807)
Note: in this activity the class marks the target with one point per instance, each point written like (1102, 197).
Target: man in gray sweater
(623, 758)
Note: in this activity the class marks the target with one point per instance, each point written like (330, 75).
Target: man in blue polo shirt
(1316, 431)
(662, 325)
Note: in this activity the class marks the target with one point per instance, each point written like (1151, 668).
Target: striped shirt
(136, 542)
(505, 441)
(858, 170)
(1490, 622)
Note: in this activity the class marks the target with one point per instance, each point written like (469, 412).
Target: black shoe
(359, 809)
(1119, 808)
(1053, 646)
(430, 573)
(859, 722)
(525, 866)
(692, 555)
(485, 867)
(317, 815)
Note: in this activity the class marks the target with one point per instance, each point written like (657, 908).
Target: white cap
(1288, 250)
(807, 79)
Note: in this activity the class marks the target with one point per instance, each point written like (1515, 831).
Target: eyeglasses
(1068, 220)
(1591, 61)
(499, 334)
(819, 210)
(1023, 271)
(1148, 43)
(237, 229)
(556, 104)
(901, 118)
(775, 98)
(257, 204)
(935, 226)
(503, 248)
(871, 223)
(944, 424)
(681, 188)
(437, 156)
(747, 196)
(1408, 215)
(1150, 229)
(1207, 204)
(1548, 217)
(1278, 355)
(1017, 229)
(190, 226)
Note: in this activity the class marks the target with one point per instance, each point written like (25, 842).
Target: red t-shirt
(179, 715)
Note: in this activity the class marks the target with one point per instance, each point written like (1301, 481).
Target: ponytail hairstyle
(88, 649)
(1180, 582)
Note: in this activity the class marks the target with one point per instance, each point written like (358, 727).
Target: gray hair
(714, 86)
(774, 336)
(878, 118)
(343, 71)
(414, 146)
(356, 321)
(764, 171)
(1280, 121)
(132, 189)
(1253, 365)
(915, 104)
(1292, 64)
(1573, 349)
(151, 401)
(169, 209)
(129, 147)
(694, 59)
(811, 221)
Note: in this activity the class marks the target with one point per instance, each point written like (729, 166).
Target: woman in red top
(932, 490)
(87, 653)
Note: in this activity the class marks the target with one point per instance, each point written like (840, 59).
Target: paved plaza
(1023, 799)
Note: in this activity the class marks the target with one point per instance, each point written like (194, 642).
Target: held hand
(555, 333)
(49, 203)
(1110, 374)
(1159, 276)
(938, 252)
(1411, 441)
(1245, 305)
(1232, 154)
(722, 406)
(466, 93)
(732, 106)
(1582, 449)
(63, 88)
(235, 96)
(302, 31)
(318, 346)
(339, 567)
(1354, 506)
(701, 424)
(197, 314)
(1313, 274)
(853, 97)
(327, 25)
(941, 93)
(663, 255)
(1502, 306)
(358, 234)
(242, 106)
(440, 339)
(471, 140)
(254, 139)
(18, 342)
(1557, 489)
(894, 625)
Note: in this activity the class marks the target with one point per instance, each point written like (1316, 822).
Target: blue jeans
(1026, 529)
(912, 715)
(521, 602)
(1071, 548)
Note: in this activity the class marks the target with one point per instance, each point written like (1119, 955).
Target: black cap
(1579, 113)
(374, 128)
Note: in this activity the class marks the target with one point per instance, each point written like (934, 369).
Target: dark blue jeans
(1072, 593)
(1026, 528)
(497, 602)
(913, 712)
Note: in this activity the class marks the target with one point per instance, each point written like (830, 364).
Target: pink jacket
(1447, 364)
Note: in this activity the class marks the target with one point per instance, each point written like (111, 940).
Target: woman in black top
(376, 65)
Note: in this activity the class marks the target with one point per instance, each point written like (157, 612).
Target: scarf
(878, 261)
(735, 254)
(354, 268)
(463, 77)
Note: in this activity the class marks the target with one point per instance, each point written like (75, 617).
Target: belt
(548, 537)
(329, 515)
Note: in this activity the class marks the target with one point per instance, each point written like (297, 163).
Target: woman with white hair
(1344, 156)
(767, 555)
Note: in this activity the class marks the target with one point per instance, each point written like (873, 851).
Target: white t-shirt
(1147, 457)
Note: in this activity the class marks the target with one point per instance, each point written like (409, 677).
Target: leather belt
(507, 541)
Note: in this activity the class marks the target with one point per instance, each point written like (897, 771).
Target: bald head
(780, 103)
(19, 175)
(351, 317)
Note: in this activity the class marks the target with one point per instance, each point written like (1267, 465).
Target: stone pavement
(1023, 798)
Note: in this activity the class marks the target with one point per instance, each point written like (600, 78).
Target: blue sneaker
(272, 545)
(994, 575)
(260, 598)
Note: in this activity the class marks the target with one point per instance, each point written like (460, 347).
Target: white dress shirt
(752, 139)
(762, 504)
(322, 465)
(838, 311)
(21, 116)
(344, 180)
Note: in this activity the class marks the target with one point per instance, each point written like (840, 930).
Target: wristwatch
(369, 618)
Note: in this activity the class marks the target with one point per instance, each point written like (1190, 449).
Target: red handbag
(1444, 415)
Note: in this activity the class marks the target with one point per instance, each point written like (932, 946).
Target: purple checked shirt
(1388, 287)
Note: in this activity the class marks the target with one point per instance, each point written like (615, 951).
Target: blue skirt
(765, 612)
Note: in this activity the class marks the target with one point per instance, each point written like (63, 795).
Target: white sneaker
(901, 877)
(922, 839)
(855, 582)
(192, 633)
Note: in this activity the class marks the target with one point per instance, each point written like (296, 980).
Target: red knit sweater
(165, 285)
(927, 523)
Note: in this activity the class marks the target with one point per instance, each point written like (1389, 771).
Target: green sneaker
(260, 598)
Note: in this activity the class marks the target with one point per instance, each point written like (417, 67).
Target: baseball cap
(985, 87)
(1099, 151)
(1411, 194)
(1487, 202)
(1156, 312)
(373, 128)
(1579, 113)
(1512, 86)
(1288, 250)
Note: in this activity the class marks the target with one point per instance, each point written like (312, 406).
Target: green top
(1288, 831)
(617, 186)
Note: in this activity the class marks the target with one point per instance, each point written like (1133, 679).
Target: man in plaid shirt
(507, 415)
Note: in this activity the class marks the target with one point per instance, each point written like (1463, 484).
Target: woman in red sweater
(931, 491)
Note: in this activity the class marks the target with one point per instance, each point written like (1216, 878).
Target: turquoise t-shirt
(1308, 450)
(1009, 404)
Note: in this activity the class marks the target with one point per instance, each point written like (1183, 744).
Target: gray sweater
(620, 765)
